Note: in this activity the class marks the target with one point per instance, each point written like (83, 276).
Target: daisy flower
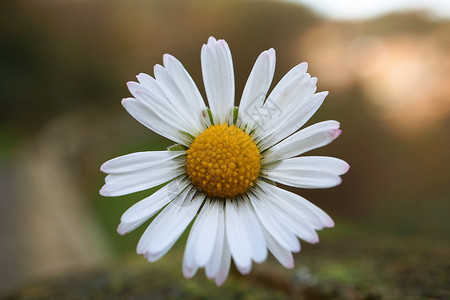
(223, 170)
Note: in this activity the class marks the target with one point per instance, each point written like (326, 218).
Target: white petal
(319, 163)
(305, 179)
(237, 238)
(256, 88)
(297, 117)
(153, 121)
(225, 261)
(161, 106)
(202, 238)
(283, 236)
(218, 76)
(189, 266)
(167, 227)
(185, 110)
(312, 137)
(290, 219)
(172, 114)
(308, 171)
(302, 207)
(138, 161)
(283, 255)
(292, 76)
(185, 83)
(146, 208)
(299, 90)
(213, 265)
(149, 83)
(284, 99)
(130, 182)
(255, 236)
(167, 105)
(284, 94)
(147, 235)
(154, 256)
(151, 87)
(208, 222)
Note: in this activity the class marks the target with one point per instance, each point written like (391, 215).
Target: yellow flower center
(223, 161)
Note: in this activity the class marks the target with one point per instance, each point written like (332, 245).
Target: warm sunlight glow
(354, 9)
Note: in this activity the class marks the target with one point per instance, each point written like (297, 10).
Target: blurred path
(47, 224)
(9, 276)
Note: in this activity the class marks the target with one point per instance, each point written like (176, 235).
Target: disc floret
(223, 161)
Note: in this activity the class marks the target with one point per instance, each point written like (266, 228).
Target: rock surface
(337, 268)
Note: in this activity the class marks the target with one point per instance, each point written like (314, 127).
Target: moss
(340, 272)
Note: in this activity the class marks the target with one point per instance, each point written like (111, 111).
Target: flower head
(223, 171)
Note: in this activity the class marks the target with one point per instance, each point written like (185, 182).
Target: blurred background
(63, 69)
